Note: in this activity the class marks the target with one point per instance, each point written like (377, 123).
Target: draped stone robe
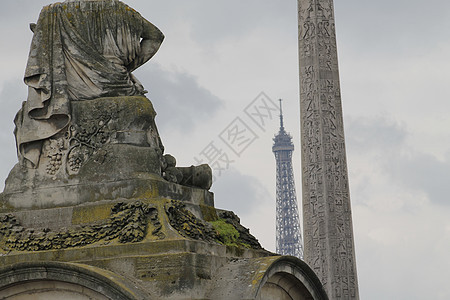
(80, 50)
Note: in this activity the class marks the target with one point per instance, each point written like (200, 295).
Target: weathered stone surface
(56, 280)
(244, 234)
(80, 50)
(107, 140)
(187, 224)
(86, 127)
(197, 176)
(128, 223)
(266, 278)
(97, 123)
(165, 270)
(118, 221)
(170, 252)
(111, 149)
(141, 185)
(328, 230)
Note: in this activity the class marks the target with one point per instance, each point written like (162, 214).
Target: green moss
(226, 233)
(209, 213)
(90, 214)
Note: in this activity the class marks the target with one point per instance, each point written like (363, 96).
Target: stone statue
(86, 131)
(81, 50)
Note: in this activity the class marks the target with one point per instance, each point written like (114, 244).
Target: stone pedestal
(162, 244)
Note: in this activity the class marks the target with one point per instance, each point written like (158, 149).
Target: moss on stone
(91, 214)
(209, 213)
(148, 192)
(226, 233)
(187, 224)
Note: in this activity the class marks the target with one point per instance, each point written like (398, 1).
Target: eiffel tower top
(283, 140)
(281, 115)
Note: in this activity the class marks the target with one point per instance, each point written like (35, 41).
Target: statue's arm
(152, 38)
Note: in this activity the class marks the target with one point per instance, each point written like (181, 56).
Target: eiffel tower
(289, 238)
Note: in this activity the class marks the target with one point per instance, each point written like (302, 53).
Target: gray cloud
(212, 21)
(384, 143)
(11, 96)
(392, 27)
(374, 134)
(177, 97)
(238, 192)
(21, 9)
(235, 18)
(422, 172)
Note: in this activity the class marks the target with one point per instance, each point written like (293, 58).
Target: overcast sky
(217, 59)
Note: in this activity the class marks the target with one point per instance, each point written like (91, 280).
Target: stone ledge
(111, 285)
(140, 185)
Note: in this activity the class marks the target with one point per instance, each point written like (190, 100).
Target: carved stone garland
(128, 223)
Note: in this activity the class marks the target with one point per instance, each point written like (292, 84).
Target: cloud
(374, 134)
(21, 9)
(393, 27)
(12, 93)
(247, 197)
(422, 172)
(396, 250)
(385, 144)
(399, 211)
(239, 192)
(179, 98)
(227, 19)
(213, 21)
(15, 17)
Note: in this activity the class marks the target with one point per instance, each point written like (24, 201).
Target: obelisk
(327, 220)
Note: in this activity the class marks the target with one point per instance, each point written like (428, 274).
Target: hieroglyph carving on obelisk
(328, 231)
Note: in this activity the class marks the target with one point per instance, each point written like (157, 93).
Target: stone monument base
(165, 243)
(111, 149)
